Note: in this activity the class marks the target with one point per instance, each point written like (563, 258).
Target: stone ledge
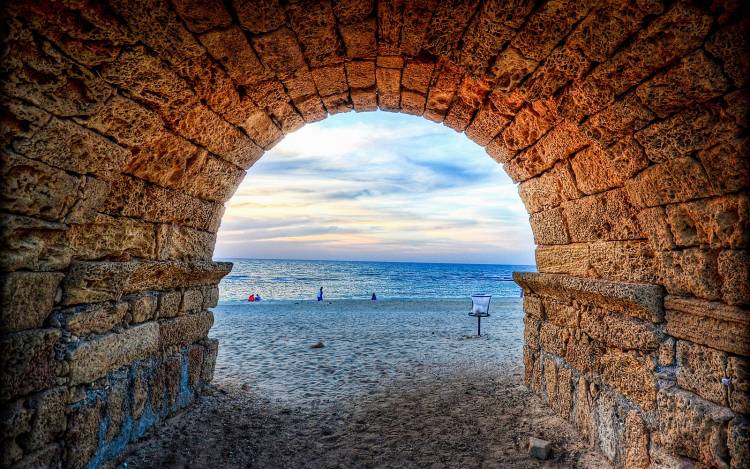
(640, 300)
(709, 323)
(185, 330)
(93, 282)
(95, 358)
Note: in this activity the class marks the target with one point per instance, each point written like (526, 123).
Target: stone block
(36, 189)
(27, 299)
(360, 74)
(561, 142)
(169, 304)
(717, 222)
(175, 242)
(388, 86)
(38, 73)
(413, 27)
(563, 259)
(734, 271)
(677, 180)
(142, 306)
(230, 48)
(692, 427)
(49, 420)
(728, 45)
(92, 359)
(185, 330)
(534, 121)
(171, 369)
(549, 189)
(443, 89)
(129, 123)
(533, 306)
(487, 123)
(582, 410)
(95, 318)
(532, 369)
(484, 37)
(84, 424)
(585, 354)
(554, 339)
(141, 372)
(684, 133)
(560, 313)
(666, 354)
(690, 272)
(195, 365)
(637, 300)
(49, 456)
(89, 282)
(653, 222)
(117, 400)
(713, 324)
(416, 75)
(700, 370)
(626, 261)
(192, 300)
(360, 38)
(617, 330)
(208, 129)
(459, 115)
(550, 382)
(547, 26)
(259, 16)
(631, 375)
(727, 165)
(314, 25)
(607, 216)
(279, 50)
(364, 100)
(66, 145)
(337, 103)
(412, 102)
(209, 360)
(210, 297)
(16, 419)
(312, 109)
(531, 332)
(738, 442)
(695, 78)
(636, 442)
(114, 237)
(28, 362)
(738, 371)
(618, 121)
(594, 171)
(23, 120)
(330, 79)
(32, 244)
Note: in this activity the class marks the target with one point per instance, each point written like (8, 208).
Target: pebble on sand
(318, 345)
(538, 448)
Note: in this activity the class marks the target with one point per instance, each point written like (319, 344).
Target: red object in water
(251, 298)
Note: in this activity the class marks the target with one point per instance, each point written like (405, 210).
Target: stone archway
(127, 124)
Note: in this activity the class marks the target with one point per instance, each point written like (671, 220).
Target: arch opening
(127, 125)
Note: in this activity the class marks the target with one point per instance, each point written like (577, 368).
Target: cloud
(377, 186)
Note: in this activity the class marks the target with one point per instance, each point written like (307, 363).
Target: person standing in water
(374, 298)
(320, 294)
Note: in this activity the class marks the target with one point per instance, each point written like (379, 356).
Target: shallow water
(367, 344)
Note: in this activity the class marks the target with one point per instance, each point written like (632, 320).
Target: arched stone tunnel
(127, 124)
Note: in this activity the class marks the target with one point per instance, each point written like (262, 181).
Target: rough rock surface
(126, 125)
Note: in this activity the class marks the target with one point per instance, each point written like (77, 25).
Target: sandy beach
(399, 383)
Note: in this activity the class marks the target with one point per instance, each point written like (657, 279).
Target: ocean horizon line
(366, 261)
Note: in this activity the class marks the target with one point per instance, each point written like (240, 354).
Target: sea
(279, 280)
(298, 351)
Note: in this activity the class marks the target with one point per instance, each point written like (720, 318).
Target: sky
(377, 186)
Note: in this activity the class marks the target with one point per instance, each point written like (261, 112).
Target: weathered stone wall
(126, 125)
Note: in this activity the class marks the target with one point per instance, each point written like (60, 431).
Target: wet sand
(397, 384)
